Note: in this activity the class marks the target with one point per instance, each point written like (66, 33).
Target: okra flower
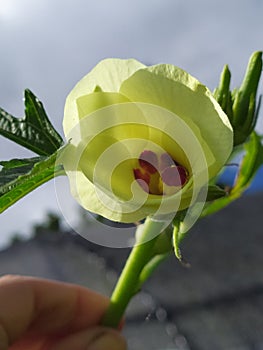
(142, 140)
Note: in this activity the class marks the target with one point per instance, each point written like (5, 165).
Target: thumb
(93, 339)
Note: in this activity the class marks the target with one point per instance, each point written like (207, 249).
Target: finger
(93, 339)
(50, 307)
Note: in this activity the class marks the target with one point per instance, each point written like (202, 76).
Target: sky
(47, 46)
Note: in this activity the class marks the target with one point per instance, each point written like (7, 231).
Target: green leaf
(249, 166)
(19, 177)
(15, 168)
(34, 131)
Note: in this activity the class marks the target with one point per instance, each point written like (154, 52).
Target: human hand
(38, 314)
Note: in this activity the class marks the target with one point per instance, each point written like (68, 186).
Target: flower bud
(241, 105)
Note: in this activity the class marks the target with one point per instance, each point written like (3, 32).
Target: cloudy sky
(48, 45)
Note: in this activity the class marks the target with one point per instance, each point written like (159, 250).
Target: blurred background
(47, 46)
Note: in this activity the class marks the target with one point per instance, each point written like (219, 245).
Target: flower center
(159, 174)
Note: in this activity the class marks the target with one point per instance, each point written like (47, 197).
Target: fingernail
(108, 341)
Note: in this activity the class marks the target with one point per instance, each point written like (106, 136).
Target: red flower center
(159, 174)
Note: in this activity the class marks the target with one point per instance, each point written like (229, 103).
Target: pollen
(159, 174)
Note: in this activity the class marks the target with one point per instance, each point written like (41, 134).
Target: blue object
(228, 178)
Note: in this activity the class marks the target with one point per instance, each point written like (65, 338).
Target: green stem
(129, 278)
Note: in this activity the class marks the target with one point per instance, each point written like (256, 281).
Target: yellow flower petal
(108, 75)
(172, 88)
(121, 109)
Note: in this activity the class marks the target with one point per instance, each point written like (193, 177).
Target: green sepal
(241, 104)
(149, 268)
(215, 192)
(162, 248)
(176, 241)
(251, 162)
(19, 177)
(170, 239)
(248, 87)
(97, 89)
(244, 102)
(34, 131)
(249, 166)
(177, 234)
(163, 243)
(222, 93)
